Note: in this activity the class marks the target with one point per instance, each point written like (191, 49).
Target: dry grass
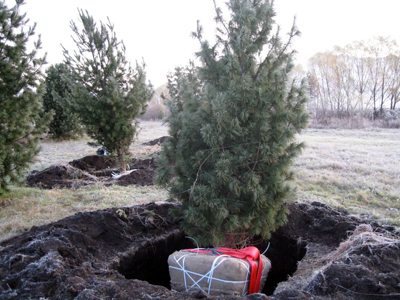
(362, 236)
(354, 169)
(27, 207)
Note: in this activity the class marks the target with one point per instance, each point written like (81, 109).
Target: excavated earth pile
(121, 253)
(96, 169)
(93, 169)
(345, 257)
(157, 141)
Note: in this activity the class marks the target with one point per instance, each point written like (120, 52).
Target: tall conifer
(233, 127)
(107, 92)
(20, 98)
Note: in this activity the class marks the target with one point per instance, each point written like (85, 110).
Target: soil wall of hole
(149, 261)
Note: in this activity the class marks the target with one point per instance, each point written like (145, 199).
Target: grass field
(358, 170)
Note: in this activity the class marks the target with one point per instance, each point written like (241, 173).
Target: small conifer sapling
(107, 92)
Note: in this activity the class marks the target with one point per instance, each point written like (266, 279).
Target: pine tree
(20, 105)
(65, 123)
(233, 127)
(107, 93)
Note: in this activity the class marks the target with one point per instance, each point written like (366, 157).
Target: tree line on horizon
(360, 80)
(355, 83)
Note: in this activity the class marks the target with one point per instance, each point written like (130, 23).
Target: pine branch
(293, 32)
(197, 176)
(255, 163)
(219, 18)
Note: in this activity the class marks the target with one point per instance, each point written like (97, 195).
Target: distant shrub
(65, 123)
(156, 109)
(155, 112)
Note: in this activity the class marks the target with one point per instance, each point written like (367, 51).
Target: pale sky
(159, 30)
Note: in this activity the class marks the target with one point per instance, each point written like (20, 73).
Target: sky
(159, 31)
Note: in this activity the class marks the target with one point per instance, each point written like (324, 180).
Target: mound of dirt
(93, 169)
(343, 260)
(94, 163)
(122, 254)
(60, 176)
(366, 265)
(137, 177)
(156, 141)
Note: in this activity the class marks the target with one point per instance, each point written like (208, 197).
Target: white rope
(116, 175)
(188, 237)
(266, 249)
(209, 275)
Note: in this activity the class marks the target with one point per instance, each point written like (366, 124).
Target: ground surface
(358, 170)
(122, 254)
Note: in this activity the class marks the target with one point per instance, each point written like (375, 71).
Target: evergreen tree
(20, 104)
(233, 127)
(107, 93)
(65, 123)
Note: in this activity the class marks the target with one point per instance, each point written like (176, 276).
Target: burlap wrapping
(215, 275)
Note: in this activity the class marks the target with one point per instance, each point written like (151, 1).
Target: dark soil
(93, 169)
(334, 266)
(156, 141)
(122, 254)
(93, 163)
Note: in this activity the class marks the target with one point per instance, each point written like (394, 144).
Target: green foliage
(65, 123)
(106, 91)
(160, 115)
(233, 123)
(20, 106)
